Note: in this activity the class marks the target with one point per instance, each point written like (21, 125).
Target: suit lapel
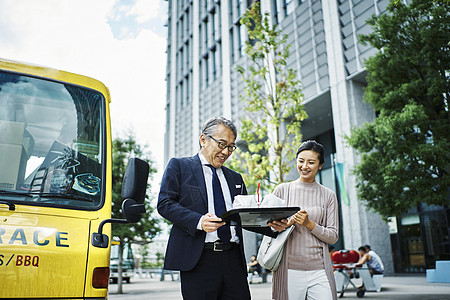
(197, 172)
(235, 186)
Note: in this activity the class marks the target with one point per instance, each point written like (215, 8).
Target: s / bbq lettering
(27, 260)
(21, 260)
(37, 237)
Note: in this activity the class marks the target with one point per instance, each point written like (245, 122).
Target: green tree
(270, 132)
(148, 227)
(405, 150)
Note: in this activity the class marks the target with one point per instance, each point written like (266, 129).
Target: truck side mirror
(135, 180)
(134, 188)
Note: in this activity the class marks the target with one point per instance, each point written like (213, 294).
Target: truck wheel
(114, 280)
(127, 279)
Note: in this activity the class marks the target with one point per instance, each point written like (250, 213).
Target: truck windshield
(51, 143)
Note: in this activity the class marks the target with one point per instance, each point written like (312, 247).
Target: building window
(200, 37)
(219, 57)
(180, 103)
(232, 45)
(181, 95)
(288, 7)
(217, 23)
(181, 61)
(188, 22)
(213, 25)
(189, 89)
(241, 39)
(214, 65)
(203, 7)
(201, 76)
(239, 4)
(206, 79)
(205, 34)
(275, 12)
(230, 12)
(178, 67)
(181, 29)
(187, 58)
(186, 84)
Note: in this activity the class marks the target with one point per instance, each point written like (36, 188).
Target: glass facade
(419, 238)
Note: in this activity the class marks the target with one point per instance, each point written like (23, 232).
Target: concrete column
(173, 80)
(226, 64)
(195, 75)
(359, 226)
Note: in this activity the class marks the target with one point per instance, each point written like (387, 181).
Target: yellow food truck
(55, 184)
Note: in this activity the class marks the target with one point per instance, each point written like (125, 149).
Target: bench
(152, 272)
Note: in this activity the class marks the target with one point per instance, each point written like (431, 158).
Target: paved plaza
(410, 287)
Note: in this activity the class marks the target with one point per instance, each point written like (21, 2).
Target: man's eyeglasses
(222, 145)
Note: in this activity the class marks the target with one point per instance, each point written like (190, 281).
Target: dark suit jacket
(183, 200)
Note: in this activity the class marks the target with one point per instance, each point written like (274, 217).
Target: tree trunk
(119, 268)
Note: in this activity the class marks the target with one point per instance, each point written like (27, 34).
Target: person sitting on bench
(253, 266)
(372, 260)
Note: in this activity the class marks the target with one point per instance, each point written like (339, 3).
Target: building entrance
(420, 239)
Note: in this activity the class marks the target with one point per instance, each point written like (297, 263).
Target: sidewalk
(408, 287)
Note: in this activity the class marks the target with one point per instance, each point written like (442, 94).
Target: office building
(205, 44)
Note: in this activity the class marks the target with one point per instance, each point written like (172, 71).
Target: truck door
(42, 255)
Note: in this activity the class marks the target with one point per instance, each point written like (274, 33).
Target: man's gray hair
(209, 128)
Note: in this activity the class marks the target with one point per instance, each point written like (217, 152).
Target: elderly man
(194, 192)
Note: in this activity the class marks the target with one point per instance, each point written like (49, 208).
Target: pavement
(410, 287)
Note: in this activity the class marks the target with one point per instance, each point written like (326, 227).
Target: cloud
(129, 17)
(76, 36)
(145, 10)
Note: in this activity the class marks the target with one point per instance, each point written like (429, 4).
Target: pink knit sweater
(308, 250)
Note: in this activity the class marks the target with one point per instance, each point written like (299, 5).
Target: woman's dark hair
(314, 146)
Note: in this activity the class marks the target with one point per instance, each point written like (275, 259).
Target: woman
(305, 269)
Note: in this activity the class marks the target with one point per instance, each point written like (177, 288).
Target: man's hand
(211, 223)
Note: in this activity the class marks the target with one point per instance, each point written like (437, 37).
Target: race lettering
(40, 237)
(59, 238)
(36, 239)
(15, 236)
(2, 232)
(1, 259)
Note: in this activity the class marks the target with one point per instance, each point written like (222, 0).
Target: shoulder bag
(271, 249)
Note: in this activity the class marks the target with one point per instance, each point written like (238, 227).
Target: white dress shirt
(207, 172)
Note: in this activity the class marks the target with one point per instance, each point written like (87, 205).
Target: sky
(122, 43)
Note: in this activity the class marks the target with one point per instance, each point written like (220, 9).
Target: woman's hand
(301, 218)
(280, 225)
